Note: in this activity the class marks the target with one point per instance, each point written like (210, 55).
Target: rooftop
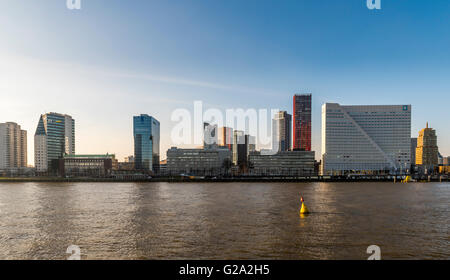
(90, 156)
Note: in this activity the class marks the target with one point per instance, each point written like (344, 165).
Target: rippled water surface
(224, 220)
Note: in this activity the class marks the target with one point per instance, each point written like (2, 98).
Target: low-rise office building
(125, 166)
(200, 162)
(86, 165)
(285, 163)
(18, 172)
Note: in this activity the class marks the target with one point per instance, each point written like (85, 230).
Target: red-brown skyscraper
(302, 122)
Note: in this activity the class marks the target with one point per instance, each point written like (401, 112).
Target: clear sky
(114, 59)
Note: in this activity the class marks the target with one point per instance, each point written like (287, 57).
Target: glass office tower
(240, 150)
(302, 122)
(54, 137)
(146, 132)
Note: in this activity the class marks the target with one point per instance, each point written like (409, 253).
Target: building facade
(446, 161)
(427, 149)
(210, 136)
(251, 144)
(281, 135)
(198, 162)
(445, 169)
(13, 146)
(225, 137)
(413, 151)
(365, 139)
(146, 131)
(440, 159)
(95, 166)
(240, 148)
(302, 122)
(286, 163)
(54, 138)
(129, 159)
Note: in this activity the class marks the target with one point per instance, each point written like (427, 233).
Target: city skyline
(208, 127)
(154, 67)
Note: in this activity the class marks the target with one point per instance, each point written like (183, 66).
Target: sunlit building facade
(413, 151)
(427, 150)
(225, 137)
(365, 139)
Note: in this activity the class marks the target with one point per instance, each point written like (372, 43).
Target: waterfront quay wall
(176, 179)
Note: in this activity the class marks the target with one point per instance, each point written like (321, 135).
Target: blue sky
(114, 59)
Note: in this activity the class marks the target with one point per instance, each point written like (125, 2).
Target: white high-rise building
(365, 139)
(281, 135)
(210, 136)
(54, 138)
(13, 146)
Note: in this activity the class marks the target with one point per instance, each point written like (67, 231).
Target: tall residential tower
(302, 122)
(281, 135)
(13, 146)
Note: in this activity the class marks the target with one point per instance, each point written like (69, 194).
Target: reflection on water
(224, 220)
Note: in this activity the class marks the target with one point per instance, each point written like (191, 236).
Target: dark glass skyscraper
(240, 148)
(302, 122)
(146, 143)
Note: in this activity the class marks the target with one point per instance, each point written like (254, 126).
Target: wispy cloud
(189, 82)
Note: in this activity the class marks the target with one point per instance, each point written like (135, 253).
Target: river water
(224, 220)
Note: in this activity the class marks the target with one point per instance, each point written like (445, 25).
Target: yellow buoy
(407, 179)
(304, 209)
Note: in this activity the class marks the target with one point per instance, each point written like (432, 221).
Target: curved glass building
(146, 131)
